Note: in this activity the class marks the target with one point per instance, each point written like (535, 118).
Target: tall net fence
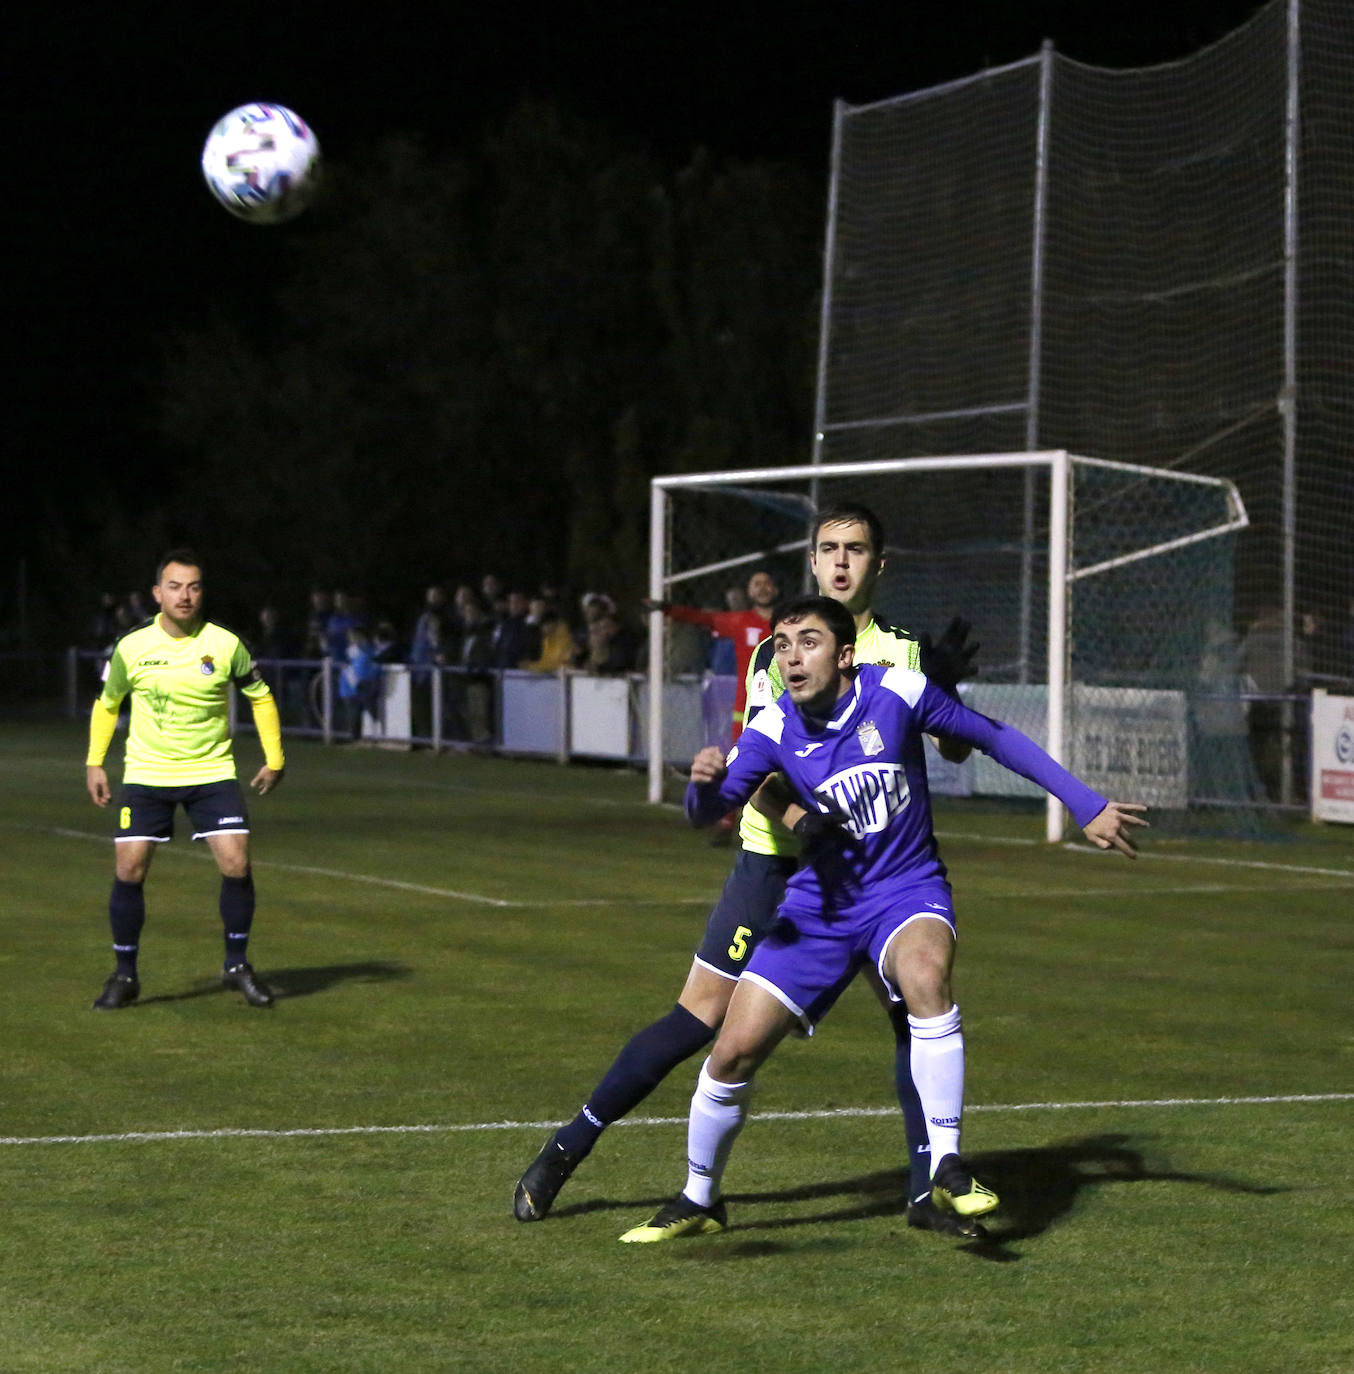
(1152, 266)
(1150, 713)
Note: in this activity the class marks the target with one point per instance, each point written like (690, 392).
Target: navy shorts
(214, 808)
(746, 910)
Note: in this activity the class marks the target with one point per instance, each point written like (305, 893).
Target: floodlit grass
(545, 914)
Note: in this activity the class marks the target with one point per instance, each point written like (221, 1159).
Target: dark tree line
(474, 361)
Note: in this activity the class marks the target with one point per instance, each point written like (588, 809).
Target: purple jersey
(867, 763)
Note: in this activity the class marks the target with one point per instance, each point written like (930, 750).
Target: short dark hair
(185, 556)
(851, 513)
(832, 613)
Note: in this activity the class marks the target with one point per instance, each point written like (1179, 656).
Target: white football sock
(718, 1111)
(938, 1072)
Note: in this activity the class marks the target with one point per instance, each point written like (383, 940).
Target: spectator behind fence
(317, 618)
(743, 628)
(475, 629)
(346, 615)
(426, 646)
(272, 640)
(1262, 660)
(359, 680)
(472, 695)
(556, 639)
(385, 645)
(611, 646)
(516, 640)
(1221, 759)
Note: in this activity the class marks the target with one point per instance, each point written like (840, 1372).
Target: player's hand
(948, 660)
(266, 779)
(1109, 830)
(815, 827)
(96, 784)
(649, 604)
(774, 798)
(708, 766)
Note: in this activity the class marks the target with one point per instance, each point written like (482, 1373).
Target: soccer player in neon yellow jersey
(179, 669)
(847, 559)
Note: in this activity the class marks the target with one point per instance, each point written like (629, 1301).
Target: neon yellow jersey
(180, 688)
(876, 643)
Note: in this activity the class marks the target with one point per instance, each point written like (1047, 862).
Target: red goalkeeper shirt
(747, 629)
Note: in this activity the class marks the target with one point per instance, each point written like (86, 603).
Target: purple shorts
(806, 962)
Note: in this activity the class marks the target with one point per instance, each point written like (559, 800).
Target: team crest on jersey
(885, 663)
(208, 665)
(870, 739)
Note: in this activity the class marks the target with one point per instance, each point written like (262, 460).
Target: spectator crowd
(479, 629)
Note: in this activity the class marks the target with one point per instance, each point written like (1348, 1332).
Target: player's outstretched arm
(96, 784)
(1109, 829)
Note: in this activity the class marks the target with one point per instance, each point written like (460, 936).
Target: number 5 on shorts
(739, 949)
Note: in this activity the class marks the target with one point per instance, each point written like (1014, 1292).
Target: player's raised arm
(1109, 828)
(718, 784)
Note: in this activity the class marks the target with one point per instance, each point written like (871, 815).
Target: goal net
(1101, 594)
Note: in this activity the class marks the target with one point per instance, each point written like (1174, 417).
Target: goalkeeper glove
(948, 660)
(814, 828)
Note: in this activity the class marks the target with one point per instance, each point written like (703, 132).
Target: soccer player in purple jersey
(849, 740)
(847, 559)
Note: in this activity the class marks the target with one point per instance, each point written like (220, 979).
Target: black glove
(814, 828)
(948, 660)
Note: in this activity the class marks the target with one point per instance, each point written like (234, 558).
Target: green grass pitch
(462, 944)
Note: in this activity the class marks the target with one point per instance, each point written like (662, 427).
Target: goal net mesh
(1148, 716)
(1126, 263)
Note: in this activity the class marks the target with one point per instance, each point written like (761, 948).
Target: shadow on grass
(1038, 1187)
(294, 982)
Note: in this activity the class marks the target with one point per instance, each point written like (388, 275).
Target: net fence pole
(1036, 347)
(1058, 507)
(825, 310)
(1288, 402)
(657, 564)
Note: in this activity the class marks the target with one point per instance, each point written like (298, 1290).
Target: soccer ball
(262, 162)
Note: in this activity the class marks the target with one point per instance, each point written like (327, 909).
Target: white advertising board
(1332, 770)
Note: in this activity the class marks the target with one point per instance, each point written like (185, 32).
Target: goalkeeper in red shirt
(746, 629)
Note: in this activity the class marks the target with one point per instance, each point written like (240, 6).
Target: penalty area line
(826, 1114)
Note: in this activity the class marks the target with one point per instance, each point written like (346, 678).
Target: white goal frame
(1060, 464)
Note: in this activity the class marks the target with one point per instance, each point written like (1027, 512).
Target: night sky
(119, 240)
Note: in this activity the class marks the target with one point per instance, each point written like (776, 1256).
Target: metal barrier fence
(572, 715)
(561, 715)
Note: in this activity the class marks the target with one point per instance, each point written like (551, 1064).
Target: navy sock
(914, 1119)
(237, 915)
(647, 1059)
(126, 915)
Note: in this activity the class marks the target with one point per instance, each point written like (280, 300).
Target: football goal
(1099, 592)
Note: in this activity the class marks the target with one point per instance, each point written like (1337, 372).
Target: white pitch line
(516, 904)
(249, 1132)
(374, 880)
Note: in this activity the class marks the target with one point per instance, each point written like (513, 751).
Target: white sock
(938, 1072)
(718, 1111)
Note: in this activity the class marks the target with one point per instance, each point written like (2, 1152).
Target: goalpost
(1129, 574)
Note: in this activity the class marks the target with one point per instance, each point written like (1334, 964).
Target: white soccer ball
(262, 162)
